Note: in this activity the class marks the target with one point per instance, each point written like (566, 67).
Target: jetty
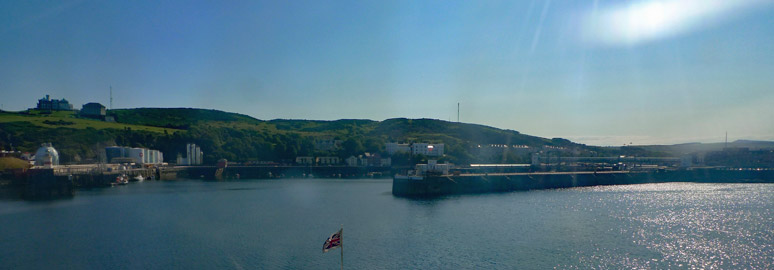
(433, 184)
(59, 181)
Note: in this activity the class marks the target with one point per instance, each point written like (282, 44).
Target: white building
(328, 160)
(137, 155)
(432, 166)
(393, 148)
(305, 160)
(427, 149)
(193, 155)
(352, 161)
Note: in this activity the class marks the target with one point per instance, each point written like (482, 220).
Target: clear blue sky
(598, 72)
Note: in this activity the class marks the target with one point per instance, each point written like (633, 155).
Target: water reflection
(280, 224)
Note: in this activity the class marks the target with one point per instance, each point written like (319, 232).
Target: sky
(596, 72)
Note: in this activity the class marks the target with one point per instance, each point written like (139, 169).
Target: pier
(438, 185)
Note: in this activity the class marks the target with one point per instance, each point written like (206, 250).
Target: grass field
(68, 119)
(12, 163)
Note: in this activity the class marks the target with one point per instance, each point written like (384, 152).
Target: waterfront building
(376, 160)
(49, 104)
(368, 159)
(351, 161)
(46, 156)
(305, 160)
(433, 166)
(328, 160)
(118, 154)
(93, 110)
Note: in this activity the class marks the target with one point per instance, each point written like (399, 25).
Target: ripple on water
(712, 226)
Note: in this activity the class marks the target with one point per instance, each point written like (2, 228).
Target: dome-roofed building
(46, 155)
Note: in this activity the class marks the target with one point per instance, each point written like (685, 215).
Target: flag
(332, 242)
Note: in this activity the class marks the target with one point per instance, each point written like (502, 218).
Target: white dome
(46, 154)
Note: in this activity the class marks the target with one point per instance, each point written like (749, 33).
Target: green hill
(243, 138)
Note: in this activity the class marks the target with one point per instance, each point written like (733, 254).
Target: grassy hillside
(13, 163)
(69, 119)
(177, 118)
(242, 138)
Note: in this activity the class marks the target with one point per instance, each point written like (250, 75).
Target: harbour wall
(267, 172)
(484, 183)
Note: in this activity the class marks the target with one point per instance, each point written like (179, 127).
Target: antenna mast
(458, 112)
(111, 97)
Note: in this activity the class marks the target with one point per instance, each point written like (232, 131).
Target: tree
(351, 147)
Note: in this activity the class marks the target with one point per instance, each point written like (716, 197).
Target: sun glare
(641, 21)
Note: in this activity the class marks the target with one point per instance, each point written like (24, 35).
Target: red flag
(332, 242)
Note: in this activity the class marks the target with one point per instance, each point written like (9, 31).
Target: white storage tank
(137, 154)
(145, 156)
(46, 155)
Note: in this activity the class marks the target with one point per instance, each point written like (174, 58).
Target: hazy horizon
(597, 72)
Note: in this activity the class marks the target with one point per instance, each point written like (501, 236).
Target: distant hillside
(687, 148)
(179, 118)
(240, 137)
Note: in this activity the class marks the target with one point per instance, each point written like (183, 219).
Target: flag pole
(341, 237)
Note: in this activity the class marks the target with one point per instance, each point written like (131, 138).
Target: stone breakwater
(483, 183)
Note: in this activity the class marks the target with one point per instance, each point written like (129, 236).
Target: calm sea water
(282, 224)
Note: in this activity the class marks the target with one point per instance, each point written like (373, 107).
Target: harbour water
(282, 224)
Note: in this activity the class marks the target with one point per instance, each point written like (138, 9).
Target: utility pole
(458, 112)
(111, 97)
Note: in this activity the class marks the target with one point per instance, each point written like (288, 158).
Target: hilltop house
(93, 110)
(49, 104)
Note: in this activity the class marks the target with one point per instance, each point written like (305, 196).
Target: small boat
(121, 180)
(139, 178)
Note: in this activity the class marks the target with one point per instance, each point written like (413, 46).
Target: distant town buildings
(368, 160)
(93, 110)
(740, 157)
(193, 155)
(118, 154)
(317, 160)
(328, 160)
(305, 160)
(497, 150)
(49, 104)
(427, 149)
